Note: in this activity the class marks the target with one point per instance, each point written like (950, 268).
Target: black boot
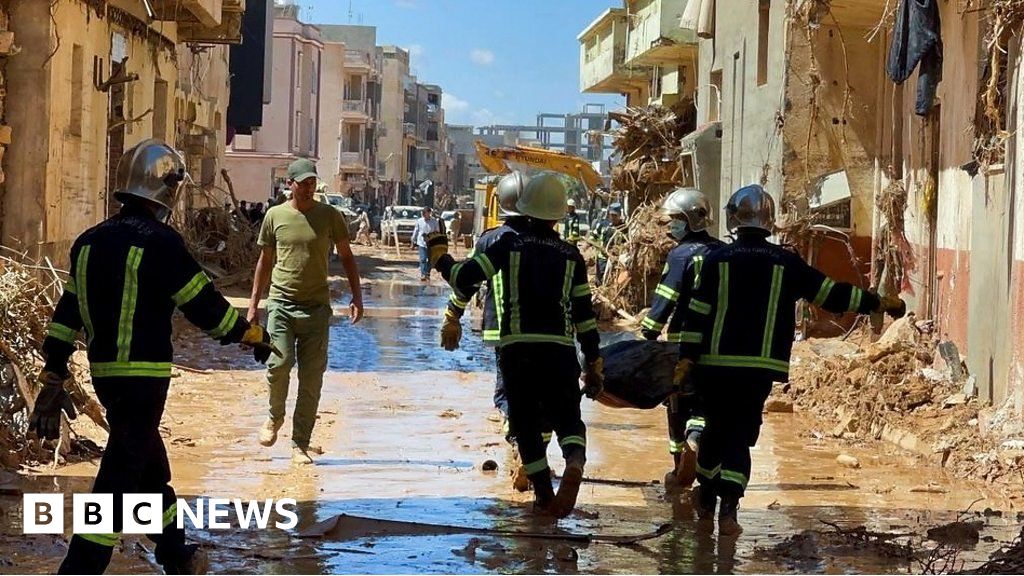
(706, 500)
(569, 486)
(190, 560)
(728, 525)
(543, 493)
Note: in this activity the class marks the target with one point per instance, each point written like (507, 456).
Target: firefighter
(508, 190)
(737, 336)
(608, 232)
(690, 215)
(571, 223)
(127, 276)
(545, 302)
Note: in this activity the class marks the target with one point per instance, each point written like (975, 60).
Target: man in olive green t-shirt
(300, 234)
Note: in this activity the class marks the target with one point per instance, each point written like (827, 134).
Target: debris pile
(648, 143)
(635, 263)
(1009, 560)
(28, 294)
(907, 389)
(225, 245)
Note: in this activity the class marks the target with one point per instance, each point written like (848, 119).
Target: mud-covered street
(405, 430)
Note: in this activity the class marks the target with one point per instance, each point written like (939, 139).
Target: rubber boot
(543, 493)
(671, 479)
(728, 525)
(85, 557)
(569, 487)
(706, 500)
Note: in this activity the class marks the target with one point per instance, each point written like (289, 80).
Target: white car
(339, 203)
(400, 219)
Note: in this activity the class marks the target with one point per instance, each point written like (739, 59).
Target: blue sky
(497, 61)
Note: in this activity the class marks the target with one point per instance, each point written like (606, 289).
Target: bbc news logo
(145, 513)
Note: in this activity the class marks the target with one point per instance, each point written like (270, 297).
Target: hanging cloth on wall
(917, 39)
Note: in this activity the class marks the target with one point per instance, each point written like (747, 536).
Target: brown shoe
(568, 490)
(301, 457)
(268, 432)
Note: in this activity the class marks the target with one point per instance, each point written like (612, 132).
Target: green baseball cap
(301, 169)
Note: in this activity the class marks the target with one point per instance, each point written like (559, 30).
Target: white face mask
(678, 229)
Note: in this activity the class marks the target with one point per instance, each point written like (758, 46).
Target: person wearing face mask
(689, 216)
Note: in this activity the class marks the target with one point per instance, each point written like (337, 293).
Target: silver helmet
(751, 207)
(150, 170)
(509, 189)
(692, 205)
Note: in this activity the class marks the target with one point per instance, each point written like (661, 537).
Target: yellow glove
(451, 332)
(437, 246)
(893, 305)
(258, 339)
(682, 373)
(593, 379)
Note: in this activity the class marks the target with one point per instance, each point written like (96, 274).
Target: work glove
(451, 331)
(259, 340)
(682, 373)
(593, 379)
(650, 334)
(437, 246)
(52, 400)
(892, 305)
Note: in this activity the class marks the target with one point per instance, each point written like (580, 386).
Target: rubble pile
(636, 262)
(28, 293)
(648, 142)
(224, 244)
(904, 389)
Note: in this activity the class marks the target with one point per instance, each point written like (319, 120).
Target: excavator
(496, 161)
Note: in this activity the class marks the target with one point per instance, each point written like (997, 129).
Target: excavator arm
(495, 161)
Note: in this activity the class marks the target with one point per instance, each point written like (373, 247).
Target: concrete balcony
(603, 54)
(654, 35)
(354, 161)
(355, 110)
(203, 21)
(356, 60)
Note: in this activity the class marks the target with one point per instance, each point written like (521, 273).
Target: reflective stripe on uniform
(115, 369)
(549, 338)
(855, 296)
(70, 287)
(108, 540)
(735, 478)
(226, 323)
(699, 307)
(573, 440)
(536, 466)
(773, 309)
(129, 296)
(547, 436)
(666, 292)
(190, 290)
(691, 337)
(492, 335)
(744, 362)
(695, 424)
(515, 326)
(698, 263)
(570, 268)
(824, 291)
(581, 291)
(723, 305)
(61, 332)
(457, 302)
(586, 326)
(675, 447)
(81, 266)
(170, 515)
(709, 474)
(651, 324)
(498, 283)
(485, 264)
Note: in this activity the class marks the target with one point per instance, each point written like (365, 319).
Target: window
(314, 82)
(298, 70)
(77, 88)
(764, 13)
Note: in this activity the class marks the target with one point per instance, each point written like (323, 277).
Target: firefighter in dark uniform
(127, 276)
(608, 232)
(571, 223)
(545, 303)
(737, 337)
(508, 190)
(690, 216)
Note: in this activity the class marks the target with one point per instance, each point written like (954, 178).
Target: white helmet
(692, 205)
(509, 189)
(544, 198)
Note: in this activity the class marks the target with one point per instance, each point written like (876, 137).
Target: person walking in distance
(295, 245)
(425, 225)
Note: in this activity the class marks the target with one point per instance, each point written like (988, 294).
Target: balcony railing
(355, 58)
(354, 106)
(351, 159)
(655, 35)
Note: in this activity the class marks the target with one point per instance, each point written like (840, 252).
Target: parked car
(339, 203)
(400, 219)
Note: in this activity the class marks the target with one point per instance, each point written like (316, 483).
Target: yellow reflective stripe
(515, 325)
(457, 302)
(230, 317)
(129, 296)
(673, 338)
(586, 326)
(695, 424)
(485, 264)
(81, 266)
(546, 437)
(855, 296)
(666, 292)
(723, 305)
(691, 337)
(61, 332)
(773, 309)
(698, 263)
(709, 474)
(115, 369)
(581, 291)
(675, 447)
(536, 466)
(573, 440)
(498, 283)
(550, 338)
(492, 335)
(70, 287)
(570, 268)
(170, 514)
(734, 477)
(699, 307)
(651, 324)
(823, 292)
(109, 540)
(744, 362)
(190, 290)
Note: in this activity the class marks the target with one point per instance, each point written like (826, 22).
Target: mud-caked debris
(489, 466)
(960, 534)
(847, 461)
